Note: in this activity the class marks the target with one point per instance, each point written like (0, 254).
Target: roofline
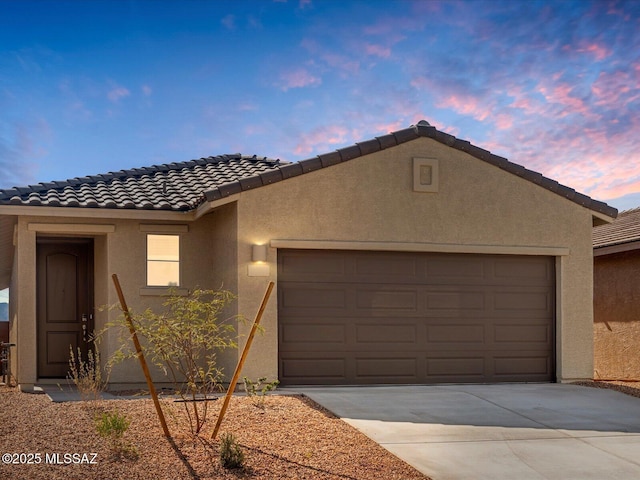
(422, 130)
(602, 213)
(603, 250)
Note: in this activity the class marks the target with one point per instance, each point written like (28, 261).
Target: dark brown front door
(65, 291)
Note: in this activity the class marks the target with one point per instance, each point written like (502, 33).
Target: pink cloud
(322, 139)
(600, 52)
(617, 88)
(563, 94)
(146, 90)
(465, 105)
(341, 63)
(504, 121)
(298, 78)
(377, 50)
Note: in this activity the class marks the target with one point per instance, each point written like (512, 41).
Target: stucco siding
(372, 199)
(617, 316)
(122, 251)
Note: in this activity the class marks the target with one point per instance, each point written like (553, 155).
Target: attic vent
(425, 175)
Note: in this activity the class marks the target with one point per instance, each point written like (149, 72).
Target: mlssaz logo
(71, 458)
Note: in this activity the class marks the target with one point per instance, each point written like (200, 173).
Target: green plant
(258, 390)
(86, 374)
(113, 425)
(184, 341)
(231, 455)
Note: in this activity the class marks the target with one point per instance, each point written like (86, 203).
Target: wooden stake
(143, 362)
(245, 351)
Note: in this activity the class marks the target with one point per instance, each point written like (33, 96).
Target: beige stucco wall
(206, 252)
(616, 310)
(372, 199)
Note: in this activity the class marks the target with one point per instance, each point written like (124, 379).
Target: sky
(89, 87)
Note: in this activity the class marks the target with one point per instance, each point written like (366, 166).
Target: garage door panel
(381, 370)
(433, 318)
(384, 334)
(522, 334)
(455, 270)
(386, 268)
(313, 297)
(299, 266)
(301, 369)
(456, 300)
(382, 300)
(531, 365)
(451, 367)
(532, 301)
(313, 333)
(455, 333)
(526, 270)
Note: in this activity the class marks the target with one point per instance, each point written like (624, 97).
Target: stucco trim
(208, 207)
(70, 228)
(148, 227)
(72, 212)
(163, 291)
(420, 247)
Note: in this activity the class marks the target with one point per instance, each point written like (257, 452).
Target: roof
(622, 231)
(175, 186)
(184, 186)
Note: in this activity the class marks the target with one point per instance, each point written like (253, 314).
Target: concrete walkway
(522, 431)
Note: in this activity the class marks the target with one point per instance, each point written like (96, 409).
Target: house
(616, 302)
(413, 257)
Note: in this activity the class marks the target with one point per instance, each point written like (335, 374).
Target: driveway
(520, 431)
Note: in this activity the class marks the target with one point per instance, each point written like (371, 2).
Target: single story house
(414, 257)
(616, 301)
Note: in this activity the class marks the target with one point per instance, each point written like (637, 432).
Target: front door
(65, 302)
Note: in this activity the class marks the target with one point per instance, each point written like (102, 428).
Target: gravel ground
(292, 437)
(628, 388)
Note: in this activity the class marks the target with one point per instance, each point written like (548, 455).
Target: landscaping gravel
(291, 437)
(628, 388)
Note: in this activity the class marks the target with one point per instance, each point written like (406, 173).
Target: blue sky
(96, 86)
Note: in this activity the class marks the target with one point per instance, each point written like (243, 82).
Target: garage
(378, 317)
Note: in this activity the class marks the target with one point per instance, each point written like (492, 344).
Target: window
(163, 260)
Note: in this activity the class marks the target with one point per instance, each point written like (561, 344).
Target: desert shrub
(86, 373)
(258, 390)
(113, 425)
(231, 454)
(184, 342)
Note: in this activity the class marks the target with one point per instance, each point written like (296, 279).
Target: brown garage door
(348, 317)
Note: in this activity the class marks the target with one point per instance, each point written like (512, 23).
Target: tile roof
(175, 186)
(625, 229)
(183, 186)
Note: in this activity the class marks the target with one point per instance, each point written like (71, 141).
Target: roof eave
(603, 250)
(106, 213)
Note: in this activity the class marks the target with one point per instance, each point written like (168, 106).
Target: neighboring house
(413, 257)
(616, 302)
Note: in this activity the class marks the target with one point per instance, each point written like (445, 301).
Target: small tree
(184, 342)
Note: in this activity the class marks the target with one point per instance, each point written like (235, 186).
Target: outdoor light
(259, 253)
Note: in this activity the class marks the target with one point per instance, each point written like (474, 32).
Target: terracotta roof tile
(185, 185)
(624, 229)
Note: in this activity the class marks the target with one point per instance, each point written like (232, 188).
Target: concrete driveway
(521, 431)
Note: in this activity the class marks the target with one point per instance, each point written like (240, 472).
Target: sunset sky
(96, 86)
